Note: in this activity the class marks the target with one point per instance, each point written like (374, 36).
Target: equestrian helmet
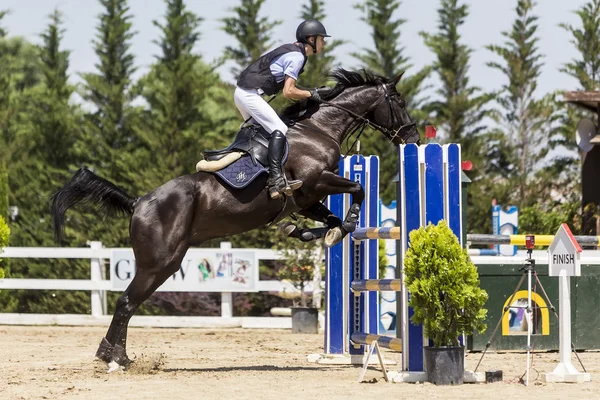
(308, 28)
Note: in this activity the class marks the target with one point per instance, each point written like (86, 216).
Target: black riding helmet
(308, 28)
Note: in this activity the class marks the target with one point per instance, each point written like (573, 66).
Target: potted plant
(446, 298)
(302, 263)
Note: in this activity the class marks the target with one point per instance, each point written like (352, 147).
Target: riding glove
(314, 95)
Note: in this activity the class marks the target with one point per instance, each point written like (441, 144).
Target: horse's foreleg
(331, 183)
(317, 212)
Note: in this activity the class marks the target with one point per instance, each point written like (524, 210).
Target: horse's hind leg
(112, 349)
(113, 346)
(159, 250)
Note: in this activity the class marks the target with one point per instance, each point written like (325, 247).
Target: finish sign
(563, 254)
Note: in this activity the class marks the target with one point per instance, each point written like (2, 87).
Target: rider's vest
(258, 74)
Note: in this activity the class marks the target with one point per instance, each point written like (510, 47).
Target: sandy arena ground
(58, 363)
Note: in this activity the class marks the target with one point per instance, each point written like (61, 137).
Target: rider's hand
(314, 95)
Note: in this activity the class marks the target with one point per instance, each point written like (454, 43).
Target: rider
(275, 71)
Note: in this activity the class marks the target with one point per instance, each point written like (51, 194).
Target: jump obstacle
(429, 190)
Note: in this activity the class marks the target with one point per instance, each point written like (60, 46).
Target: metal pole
(529, 318)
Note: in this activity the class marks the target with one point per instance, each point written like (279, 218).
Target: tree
(459, 111)
(48, 154)
(461, 108)
(110, 137)
(388, 59)
(3, 189)
(252, 32)
(317, 69)
(173, 90)
(20, 71)
(2, 30)
(585, 68)
(3, 172)
(525, 121)
(587, 41)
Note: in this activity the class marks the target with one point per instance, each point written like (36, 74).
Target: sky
(484, 26)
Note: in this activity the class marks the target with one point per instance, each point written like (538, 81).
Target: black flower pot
(305, 320)
(445, 365)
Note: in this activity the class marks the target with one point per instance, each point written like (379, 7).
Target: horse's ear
(397, 79)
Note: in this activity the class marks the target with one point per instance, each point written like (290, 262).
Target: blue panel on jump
(335, 339)
(434, 184)
(411, 189)
(454, 187)
(358, 167)
(372, 199)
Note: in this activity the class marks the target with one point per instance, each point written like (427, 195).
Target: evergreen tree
(526, 122)
(2, 30)
(586, 69)
(388, 59)
(20, 71)
(461, 108)
(251, 31)
(173, 89)
(108, 89)
(459, 111)
(48, 145)
(110, 134)
(317, 69)
(3, 156)
(3, 189)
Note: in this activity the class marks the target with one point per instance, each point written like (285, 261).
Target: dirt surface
(58, 363)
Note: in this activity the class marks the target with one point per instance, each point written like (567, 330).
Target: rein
(364, 122)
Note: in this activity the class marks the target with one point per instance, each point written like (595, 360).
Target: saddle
(242, 161)
(252, 140)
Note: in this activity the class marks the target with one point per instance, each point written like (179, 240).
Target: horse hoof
(288, 229)
(307, 236)
(349, 226)
(113, 366)
(120, 356)
(333, 236)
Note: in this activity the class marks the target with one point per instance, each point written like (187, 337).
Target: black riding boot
(277, 182)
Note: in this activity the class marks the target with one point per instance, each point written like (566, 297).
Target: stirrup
(283, 186)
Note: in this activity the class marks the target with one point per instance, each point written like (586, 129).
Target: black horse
(194, 208)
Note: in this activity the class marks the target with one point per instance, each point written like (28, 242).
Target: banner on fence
(215, 270)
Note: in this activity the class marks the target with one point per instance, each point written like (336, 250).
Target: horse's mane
(344, 79)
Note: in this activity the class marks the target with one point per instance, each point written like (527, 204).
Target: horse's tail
(87, 187)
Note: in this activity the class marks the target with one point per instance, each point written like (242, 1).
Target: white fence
(98, 284)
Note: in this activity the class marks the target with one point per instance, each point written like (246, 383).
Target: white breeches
(251, 104)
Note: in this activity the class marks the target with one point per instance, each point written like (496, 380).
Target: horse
(191, 209)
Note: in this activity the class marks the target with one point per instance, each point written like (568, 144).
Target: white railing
(99, 285)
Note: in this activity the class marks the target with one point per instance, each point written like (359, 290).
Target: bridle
(364, 122)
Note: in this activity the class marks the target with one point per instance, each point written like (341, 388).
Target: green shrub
(444, 286)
